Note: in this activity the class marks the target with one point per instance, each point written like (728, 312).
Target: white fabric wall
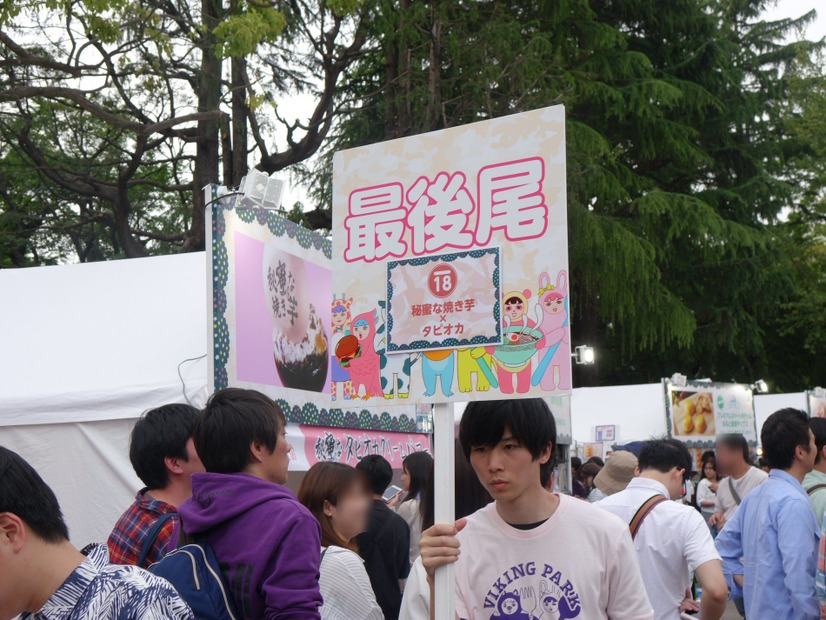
(87, 466)
(767, 404)
(638, 411)
(101, 340)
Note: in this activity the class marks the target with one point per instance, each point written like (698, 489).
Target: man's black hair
(576, 463)
(232, 420)
(665, 454)
(24, 494)
(818, 426)
(596, 461)
(735, 442)
(160, 433)
(529, 420)
(782, 433)
(378, 471)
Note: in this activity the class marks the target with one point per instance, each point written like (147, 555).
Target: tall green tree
(192, 88)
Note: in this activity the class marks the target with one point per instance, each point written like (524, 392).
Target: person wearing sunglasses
(670, 538)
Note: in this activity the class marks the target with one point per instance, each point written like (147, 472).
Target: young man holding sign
(532, 554)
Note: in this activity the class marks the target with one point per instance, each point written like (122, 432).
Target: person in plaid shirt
(164, 457)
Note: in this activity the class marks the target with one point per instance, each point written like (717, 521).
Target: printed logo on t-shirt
(531, 591)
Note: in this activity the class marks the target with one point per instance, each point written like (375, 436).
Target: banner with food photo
(816, 401)
(699, 411)
(450, 254)
(275, 319)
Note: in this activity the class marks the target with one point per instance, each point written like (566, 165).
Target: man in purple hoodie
(267, 543)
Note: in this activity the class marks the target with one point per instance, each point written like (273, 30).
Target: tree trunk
(208, 136)
(240, 110)
(122, 207)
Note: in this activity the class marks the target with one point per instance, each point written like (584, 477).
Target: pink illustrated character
(553, 300)
(366, 367)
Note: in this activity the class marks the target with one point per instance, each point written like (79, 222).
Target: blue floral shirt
(103, 591)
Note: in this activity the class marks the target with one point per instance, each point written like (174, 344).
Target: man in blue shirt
(769, 548)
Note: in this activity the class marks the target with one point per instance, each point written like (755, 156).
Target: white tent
(86, 349)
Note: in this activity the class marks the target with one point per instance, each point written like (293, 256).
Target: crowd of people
(215, 533)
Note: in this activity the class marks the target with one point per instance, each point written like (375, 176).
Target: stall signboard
(274, 320)
(450, 263)
(699, 411)
(593, 449)
(817, 403)
(349, 446)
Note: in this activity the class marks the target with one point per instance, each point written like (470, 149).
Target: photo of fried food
(692, 413)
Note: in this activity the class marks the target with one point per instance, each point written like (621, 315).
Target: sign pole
(444, 482)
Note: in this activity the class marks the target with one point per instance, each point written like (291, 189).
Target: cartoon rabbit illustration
(555, 358)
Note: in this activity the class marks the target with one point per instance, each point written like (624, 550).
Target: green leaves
(242, 31)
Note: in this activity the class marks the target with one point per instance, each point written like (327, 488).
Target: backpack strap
(733, 491)
(814, 489)
(152, 536)
(643, 512)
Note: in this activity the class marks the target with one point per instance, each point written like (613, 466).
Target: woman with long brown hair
(338, 497)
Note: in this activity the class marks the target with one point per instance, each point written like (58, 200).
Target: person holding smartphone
(385, 545)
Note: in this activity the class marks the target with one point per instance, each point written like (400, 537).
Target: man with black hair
(532, 554)
(733, 461)
(42, 576)
(815, 481)
(769, 548)
(385, 545)
(671, 539)
(163, 456)
(268, 544)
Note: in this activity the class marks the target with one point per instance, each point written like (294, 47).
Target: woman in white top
(337, 495)
(415, 470)
(707, 489)
(470, 496)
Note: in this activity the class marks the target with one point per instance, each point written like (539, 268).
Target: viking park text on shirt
(580, 563)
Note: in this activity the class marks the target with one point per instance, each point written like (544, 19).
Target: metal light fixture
(260, 190)
(584, 355)
(760, 386)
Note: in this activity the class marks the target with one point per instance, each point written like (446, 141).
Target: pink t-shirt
(580, 564)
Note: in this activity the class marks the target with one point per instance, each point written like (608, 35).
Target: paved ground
(731, 613)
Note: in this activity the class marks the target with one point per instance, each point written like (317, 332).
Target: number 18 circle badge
(442, 280)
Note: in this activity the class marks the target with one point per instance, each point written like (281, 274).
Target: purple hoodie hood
(217, 498)
(267, 543)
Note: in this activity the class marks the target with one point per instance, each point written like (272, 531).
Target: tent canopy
(101, 341)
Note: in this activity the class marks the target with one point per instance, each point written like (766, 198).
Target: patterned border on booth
(279, 226)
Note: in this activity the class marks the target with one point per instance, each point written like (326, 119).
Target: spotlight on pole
(760, 386)
(584, 355)
(260, 190)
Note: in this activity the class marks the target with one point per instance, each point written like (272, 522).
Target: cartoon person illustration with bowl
(514, 357)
